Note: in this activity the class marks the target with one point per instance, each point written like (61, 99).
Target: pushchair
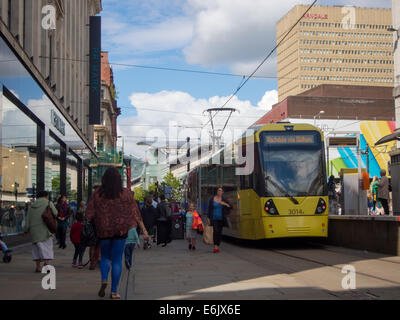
(6, 252)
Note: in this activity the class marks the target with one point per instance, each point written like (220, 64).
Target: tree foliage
(171, 181)
(140, 194)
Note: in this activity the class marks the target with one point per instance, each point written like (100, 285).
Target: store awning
(389, 138)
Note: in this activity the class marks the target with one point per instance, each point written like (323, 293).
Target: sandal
(102, 291)
(115, 296)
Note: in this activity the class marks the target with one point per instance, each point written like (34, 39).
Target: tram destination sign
(343, 141)
(303, 139)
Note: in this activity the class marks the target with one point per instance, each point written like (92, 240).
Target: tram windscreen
(292, 163)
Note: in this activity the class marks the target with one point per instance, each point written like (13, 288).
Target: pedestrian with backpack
(193, 223)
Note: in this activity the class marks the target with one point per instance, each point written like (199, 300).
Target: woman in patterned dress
(114, 212)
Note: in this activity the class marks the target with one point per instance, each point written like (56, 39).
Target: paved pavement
(241, 271)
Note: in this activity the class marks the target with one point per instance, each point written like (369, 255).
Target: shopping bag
(208, 235)
(49, 219)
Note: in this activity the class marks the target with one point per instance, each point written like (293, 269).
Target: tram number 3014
(295, 211)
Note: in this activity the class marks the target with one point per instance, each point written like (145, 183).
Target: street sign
(168, 192)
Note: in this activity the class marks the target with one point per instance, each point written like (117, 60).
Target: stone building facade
(106, 132)
(45, 134)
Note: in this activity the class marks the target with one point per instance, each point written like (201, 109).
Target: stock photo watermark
(349, 280)
(49, 280)
(49, 20)
(238, 147)
(349, 19)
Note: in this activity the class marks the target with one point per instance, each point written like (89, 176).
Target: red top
(75, 233)
(113, 217)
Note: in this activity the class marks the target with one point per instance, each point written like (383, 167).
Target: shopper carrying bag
(208, 235)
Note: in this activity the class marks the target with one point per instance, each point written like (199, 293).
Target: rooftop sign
(316, 16)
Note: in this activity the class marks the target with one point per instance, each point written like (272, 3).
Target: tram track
(317, 262)
(359, 255)
(335, 267)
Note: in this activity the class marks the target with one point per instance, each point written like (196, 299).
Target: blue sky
(228, 36)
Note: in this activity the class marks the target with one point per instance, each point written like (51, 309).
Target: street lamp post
(315, 117)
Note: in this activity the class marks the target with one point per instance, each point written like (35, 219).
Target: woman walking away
(64, 212)
(75, 236)
(149, 215)
(193, 223)
(218, 209)
(42, 241)
(114, 212)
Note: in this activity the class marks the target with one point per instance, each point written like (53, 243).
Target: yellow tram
(285, 195)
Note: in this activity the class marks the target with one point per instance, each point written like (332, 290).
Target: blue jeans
(129, 254)
(111, 253)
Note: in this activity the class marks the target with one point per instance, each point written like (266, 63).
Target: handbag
(49, 219)
(89, 235)
(208, 235)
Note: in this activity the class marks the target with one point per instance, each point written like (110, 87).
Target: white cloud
(183, 110)
(235, 32)
(270, 96)
(167, 35)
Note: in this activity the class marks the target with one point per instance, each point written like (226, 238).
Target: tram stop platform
(371, 233)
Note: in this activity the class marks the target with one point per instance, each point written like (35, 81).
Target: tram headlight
(270, 208)
(321, 207)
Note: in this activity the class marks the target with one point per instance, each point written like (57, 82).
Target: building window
(72, 178)
(52, 167)
(18, 159)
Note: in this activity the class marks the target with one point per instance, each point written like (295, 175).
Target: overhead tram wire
(265, 59)
(168, 69)
(187, 113)
(139, 108)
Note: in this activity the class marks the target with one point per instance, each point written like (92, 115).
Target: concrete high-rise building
(396, 25)
(334, 45)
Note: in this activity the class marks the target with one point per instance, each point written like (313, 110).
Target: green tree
(55, 184)
(172, 181)
(140, 194)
